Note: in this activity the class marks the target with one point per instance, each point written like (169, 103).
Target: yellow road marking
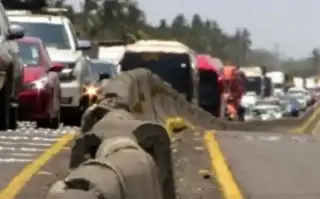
(302, 129)
(25, 175)
(228, 185)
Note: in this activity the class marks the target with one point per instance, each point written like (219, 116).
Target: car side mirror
(15, 32)
(56, 67)
(84, 45)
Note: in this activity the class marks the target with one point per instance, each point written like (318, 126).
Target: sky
(293, 26)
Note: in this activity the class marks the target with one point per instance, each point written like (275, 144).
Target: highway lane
(23, 146)
(273, 165)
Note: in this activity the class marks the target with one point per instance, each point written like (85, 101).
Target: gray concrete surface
(190, 157)
(273, 166)
(22, 146)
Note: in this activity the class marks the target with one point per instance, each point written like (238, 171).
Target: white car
(269, 112)
(58, 35)
(296, 91)
(249, 99)
(302, 100)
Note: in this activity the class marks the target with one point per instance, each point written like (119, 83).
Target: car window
(100, 67)
(30, 54)
(52, 35)
(171, 67)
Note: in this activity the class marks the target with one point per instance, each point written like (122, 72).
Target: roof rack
(43, 11)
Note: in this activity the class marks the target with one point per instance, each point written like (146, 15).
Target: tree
(107, 19)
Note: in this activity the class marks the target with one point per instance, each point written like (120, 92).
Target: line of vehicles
(280, 96)
(46, 75)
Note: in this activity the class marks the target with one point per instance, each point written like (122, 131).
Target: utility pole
(315, 56)
(277, 56)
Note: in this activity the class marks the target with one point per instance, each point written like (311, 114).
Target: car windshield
(171, 67)
(253, 84)
(299, 97)
(278, 85)
(102, 67)
(295, 92)
(29, 53)
(52, 35)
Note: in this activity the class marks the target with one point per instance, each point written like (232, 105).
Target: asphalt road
(273, 166)
(22, 147)
(264, 165)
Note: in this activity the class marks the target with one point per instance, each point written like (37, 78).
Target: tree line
(111, 19)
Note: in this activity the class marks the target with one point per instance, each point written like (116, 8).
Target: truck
(257, 82)
(298, 82)
(278, 81)
(111, 50)
(233, 88)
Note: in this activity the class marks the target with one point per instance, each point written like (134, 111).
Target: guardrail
(124, 149)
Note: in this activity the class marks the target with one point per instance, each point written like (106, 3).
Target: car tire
(295, 114)
(13, 118)
(4, 106)
(43, 123)
(71, 116)
(55, 122)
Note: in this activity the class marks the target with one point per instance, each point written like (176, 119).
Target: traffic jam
(49, 79)
(46, 81)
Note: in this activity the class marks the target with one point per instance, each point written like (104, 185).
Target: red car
(39, 99)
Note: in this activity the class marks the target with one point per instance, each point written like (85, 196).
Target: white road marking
(24, 144)
(4, 137)
(26, 149)
(13, 160)
(17, 154)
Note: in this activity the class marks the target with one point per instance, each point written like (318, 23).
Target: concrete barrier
(139, 107)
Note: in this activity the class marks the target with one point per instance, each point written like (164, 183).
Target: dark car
(102, 70)
(100, 73)
(40, 97)
(10, 72)
(290, 105)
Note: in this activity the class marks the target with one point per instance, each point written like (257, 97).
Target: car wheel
(43, 123)
(13, 118)
(295, 114)
(4, 107)
(71, 116)
(55, 122)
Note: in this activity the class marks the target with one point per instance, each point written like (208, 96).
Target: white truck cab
(58, 35)
(254, 75)
(278, 81)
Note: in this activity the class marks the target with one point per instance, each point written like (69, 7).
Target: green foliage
(109, 19)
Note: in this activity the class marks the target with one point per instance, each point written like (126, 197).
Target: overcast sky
(293, 24)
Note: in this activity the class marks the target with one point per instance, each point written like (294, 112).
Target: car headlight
(38, 84)
(67, 74)
(91, 90)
